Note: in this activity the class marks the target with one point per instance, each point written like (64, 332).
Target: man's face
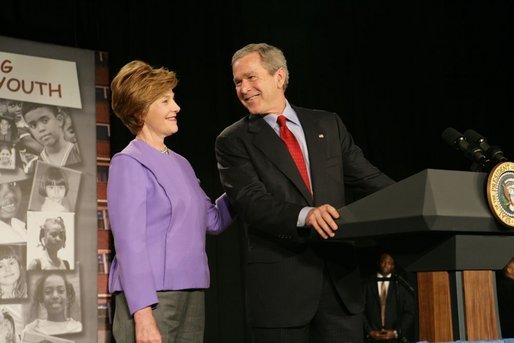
(258, 90)
(385, 265)
(45, 126)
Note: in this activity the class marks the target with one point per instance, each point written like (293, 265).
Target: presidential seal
(500, 192)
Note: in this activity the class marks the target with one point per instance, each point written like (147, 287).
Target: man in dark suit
(505, 293)
(299, 288)
(394, 321)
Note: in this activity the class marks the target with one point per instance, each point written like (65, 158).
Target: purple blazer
(159, 218)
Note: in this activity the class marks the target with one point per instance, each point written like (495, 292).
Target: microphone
(404, 282)
(494, 153)
(472, 152)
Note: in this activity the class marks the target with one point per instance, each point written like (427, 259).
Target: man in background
(505, 292)
(390, 310)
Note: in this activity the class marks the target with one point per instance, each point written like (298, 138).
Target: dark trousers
(180, 316)
(331, 324)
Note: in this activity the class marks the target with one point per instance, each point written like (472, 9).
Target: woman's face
(161, 118)
(55, 192)
(54, 295)
(54, 236)
(9, 271)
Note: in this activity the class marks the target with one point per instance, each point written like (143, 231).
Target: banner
(36, 79)
(48, 224)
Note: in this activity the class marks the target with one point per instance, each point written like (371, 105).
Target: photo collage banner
(48, 227)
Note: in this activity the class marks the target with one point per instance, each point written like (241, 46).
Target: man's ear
(280, 77)
(510, 268)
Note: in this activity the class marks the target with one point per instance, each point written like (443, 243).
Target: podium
(442, 221)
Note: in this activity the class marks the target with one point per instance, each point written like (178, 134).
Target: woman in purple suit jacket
(159, 216)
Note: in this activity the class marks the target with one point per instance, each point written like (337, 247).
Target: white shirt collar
(289, 113)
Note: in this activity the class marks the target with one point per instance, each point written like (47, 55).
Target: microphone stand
(404, 282)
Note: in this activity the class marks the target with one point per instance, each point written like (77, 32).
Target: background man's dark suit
(505, 294)
(285, 264)
(400, 309)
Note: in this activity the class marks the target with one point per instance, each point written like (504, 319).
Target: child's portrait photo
(54, 189)
(13, 281)
(50, 241)
(7, 129)
(54, 307)
(52, 127)
(7, 156)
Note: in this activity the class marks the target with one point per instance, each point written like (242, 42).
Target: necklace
(165, 150)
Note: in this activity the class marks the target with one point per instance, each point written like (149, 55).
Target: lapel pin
(321, 135)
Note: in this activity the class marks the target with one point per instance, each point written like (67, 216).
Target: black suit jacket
(285, 263)
(400, 309)
(505, 293)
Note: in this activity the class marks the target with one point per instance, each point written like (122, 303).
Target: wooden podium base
(468, 310)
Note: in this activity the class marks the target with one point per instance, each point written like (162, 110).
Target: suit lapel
(376, 291)
(275, 150)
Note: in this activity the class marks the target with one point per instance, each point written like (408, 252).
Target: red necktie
(294, 149)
